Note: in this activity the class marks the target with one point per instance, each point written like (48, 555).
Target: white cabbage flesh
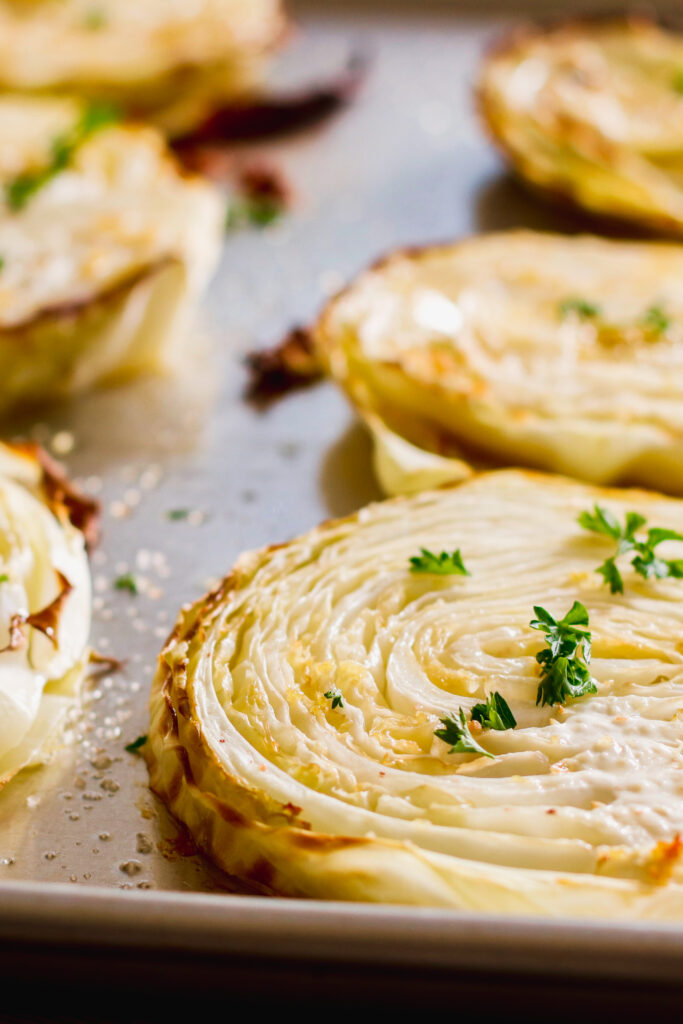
(39, 679)
(581, 808)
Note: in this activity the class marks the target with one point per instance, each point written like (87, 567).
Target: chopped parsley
(582, 307)
(127, 582)
(564, 662)
(644, 560)
(440, 565)
(133, 747)
(21, 189)
(176, 514)
(4, 578)
(655, 321)
(336, 697)
(494, 714)
(456, 732)
(258, 211)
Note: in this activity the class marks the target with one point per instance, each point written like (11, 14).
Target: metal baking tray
(89, 861)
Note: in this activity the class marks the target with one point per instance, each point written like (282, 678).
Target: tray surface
(408, 163)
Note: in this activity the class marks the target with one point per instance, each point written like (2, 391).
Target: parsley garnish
(336, 697)
(259, 211)
(133, 747)
(655, 320)
(644, 561)
(581, 307)
(22, 188)
(440, 565)
(127, 582)
(564, 663)
(175, 514)
(458, 734)
(494, 714)
(4, 578)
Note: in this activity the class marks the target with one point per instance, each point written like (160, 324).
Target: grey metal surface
(408, 163)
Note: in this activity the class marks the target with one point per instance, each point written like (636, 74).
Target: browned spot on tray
(180, 845)
(259, 179)
(105, 663)
(275, 115)
(288, 366)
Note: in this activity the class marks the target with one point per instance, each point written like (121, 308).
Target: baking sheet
(408, 163)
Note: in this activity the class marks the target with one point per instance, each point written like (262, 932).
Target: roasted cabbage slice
(592, 110)
(172, 61)
(295, 714)
(44, 606)
(560, 353)
(103, 243)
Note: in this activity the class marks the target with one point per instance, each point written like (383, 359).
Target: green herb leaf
(176, 514)
(600, 520)
(440, 565)
(655, 320)
(458, 734)
(336, 697)
(494, 714)
(4, 578)
(564, 663)
(258, 211)
(582, 307)
(21, 189)
(133, 747)
(127, 582)
(644, 560)
(611, 575)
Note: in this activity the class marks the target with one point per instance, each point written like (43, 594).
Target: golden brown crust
(62, 497)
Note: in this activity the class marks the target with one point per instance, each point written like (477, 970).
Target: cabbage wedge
(552, 352)
(592, 111)
(296, 710)
(104, 245)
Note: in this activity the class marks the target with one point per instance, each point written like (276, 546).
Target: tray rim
(318, 931)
